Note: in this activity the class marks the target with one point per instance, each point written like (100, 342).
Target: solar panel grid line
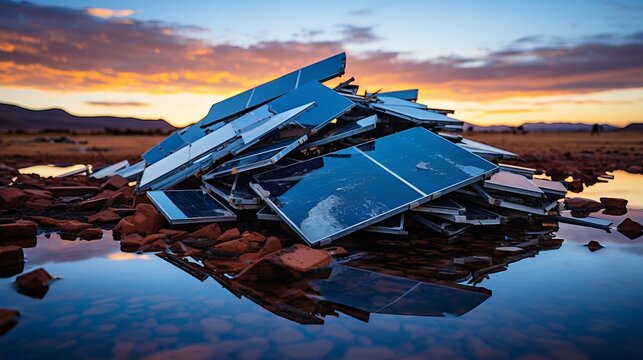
(393, 173)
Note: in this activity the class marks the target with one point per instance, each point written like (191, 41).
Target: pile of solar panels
(329, 162)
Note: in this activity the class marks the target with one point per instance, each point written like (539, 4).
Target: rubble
(34, 284)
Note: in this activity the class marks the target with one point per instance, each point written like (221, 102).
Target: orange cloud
(108, 13)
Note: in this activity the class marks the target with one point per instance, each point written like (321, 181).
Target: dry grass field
(101, 149)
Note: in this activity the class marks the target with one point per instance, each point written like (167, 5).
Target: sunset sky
(500, 62)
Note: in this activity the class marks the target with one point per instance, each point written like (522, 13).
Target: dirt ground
(618, 150)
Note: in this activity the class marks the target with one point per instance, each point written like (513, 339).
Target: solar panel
(330, 104)
(190, 206)
(342, 131)
(486, 151)
(550, 187)
(330, 196)
(258, 158)
(514, 183)
(133, 171)
(109, 170)
(411, 94)
(521, 170)
(319, 72)
(408, 110)
(441, 205)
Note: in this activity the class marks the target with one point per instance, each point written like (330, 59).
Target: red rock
(174, 235)
(614, 203)
(47, 221)
(336, 251)
(294, 261)
(212, 231)
(115, 182)
(73, 226)
(38, 203)
(575, 186)
(34, 284)
(202, 244)
(20, 228)
(91, 234)
(11, 197)
(232, 247)
(271, 245)
(11, 255)
(253, 237)
(156, 245)
(104, 216)
(92, 204)
(154, 237)
(229, 235)
(594, 246)
(249, 258)
(30, 180)
(72, 190)
(582, 204)
(38, 193)
(146, 220)
(634, 169)
(630, 228)
(180, 248)
(8, 319)
(131, 242)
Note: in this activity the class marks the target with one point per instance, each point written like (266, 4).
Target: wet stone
(8, 320)
(104, 216)
(271, 245)
(232, 247)
(594, 246)
(73, 226)
(91, 234)
(630, 228)
(18, 229)
(174, 235)
(583, 205)
(11, 255)
(294, 260)
(11, 197)
(212, 232)
(114, 183)
(614, 203)
(34, 284)
(229, 235)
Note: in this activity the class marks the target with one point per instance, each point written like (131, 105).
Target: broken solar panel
(362, 289)
(513, 183)
(109, 170)
(318, 72)
(486, 151)
(342, 131)
(552, 188)
(439, 225)
(192, 158)
(393, 226)
(333, 195)
(521, 170)
(410, 95)
(474, 215)
(189, 206)
(413, 112)
(329, 104)
(441, 205)
(133, 171)
(258, 158)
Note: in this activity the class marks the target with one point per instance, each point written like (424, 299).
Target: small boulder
(249, 258)
(232, 247)
(174, 235)
(72, 190)
(271, 245)
(11, 255)
(132, 242)
(91, 234)
(18, 229)
(8, 319)
(38, 203)
(630, 228)
(614, 203)
(292, 261)
(202, 244)
(212, 231)
(11, 197)
(253, 237)
(584, 205)
(38, 193)
(155, 237)
(229, 235)
(594, 246)
(114, 183)
(73, 226)
(103, 216)
(156, 245)
(34, 284)
(146, 220)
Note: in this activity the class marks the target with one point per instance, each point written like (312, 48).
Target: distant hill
(634, 127)
(544, 127)
(13, 117)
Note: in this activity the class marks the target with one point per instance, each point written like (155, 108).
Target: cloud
(108, 13)
(58, 48)
(117, 103)
(357, 34)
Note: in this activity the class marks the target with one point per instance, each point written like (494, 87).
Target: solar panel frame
(345, 131)
(109, 170)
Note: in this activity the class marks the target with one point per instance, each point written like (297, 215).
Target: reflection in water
(624, 185)
(417, 296)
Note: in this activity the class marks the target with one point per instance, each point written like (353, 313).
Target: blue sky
(467, 35)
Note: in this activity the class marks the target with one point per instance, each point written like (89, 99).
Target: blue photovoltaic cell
(329, 104)
(189, 205)
(273, 89)
(323, 197)
(411, 111)
(341, 192)
(342, 131)
(411, 94)
(426, 160)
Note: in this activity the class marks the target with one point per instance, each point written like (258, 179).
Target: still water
(562, 303)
